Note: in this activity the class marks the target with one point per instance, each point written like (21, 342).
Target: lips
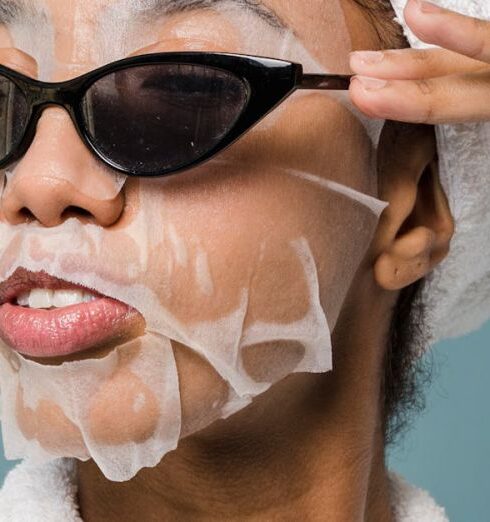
(66, 330)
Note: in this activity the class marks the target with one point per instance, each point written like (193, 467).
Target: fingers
(450, 84)
(449, 99)
(412, 64)
(19, 61)
(453, 31)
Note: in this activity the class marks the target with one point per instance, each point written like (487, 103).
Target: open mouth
(43, 316)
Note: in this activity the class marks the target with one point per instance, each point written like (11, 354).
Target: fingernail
(368, 57)
(429, 7)
(371, 84)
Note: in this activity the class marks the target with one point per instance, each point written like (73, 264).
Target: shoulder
(44, 492)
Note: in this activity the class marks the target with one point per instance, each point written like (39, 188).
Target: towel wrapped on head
(456, 296)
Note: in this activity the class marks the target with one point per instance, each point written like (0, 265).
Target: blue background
(447, 451)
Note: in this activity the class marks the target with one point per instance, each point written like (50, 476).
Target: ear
(416, 229)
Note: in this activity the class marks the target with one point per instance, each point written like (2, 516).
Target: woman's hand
(447, 85)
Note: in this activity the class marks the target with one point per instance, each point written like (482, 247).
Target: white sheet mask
(34, 33)
(238, 286)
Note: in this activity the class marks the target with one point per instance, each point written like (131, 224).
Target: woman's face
(242, 263)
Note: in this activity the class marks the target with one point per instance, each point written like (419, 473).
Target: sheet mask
(56, 63)
(102, 185)
(212, 259)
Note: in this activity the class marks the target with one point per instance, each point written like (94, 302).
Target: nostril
(74, 211)
(51, 202)
(26, 214)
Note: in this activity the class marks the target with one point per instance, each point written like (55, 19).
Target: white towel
(457, 294)
(48, 493)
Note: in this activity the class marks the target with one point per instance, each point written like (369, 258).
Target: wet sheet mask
(239, 268)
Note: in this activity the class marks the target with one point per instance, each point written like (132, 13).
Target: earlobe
(409, 259)
(418, 226)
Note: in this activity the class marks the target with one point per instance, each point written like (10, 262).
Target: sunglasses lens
(13, 116)
(160, 117)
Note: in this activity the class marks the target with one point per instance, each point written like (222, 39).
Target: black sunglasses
(156, 114)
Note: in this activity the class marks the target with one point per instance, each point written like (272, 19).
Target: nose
(58, 177)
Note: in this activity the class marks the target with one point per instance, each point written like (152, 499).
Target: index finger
(448, 29)
(412, 64)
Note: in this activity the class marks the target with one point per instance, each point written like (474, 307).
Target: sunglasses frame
(268, 82)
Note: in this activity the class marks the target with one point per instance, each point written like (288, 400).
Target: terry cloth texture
(457, 294)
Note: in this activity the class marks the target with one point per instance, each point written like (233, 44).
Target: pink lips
(58, 331)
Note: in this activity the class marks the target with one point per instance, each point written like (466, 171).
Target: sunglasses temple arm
(325, 82)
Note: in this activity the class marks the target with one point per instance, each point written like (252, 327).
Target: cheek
(314, 133)
(239, 234)
(228, 235)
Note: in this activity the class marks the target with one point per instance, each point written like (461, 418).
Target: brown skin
(309, 449)
(320, 455)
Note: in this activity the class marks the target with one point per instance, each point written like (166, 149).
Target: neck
(319, 456)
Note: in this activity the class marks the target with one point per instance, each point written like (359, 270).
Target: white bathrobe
(48, 493)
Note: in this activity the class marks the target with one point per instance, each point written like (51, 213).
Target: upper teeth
(46, 298)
